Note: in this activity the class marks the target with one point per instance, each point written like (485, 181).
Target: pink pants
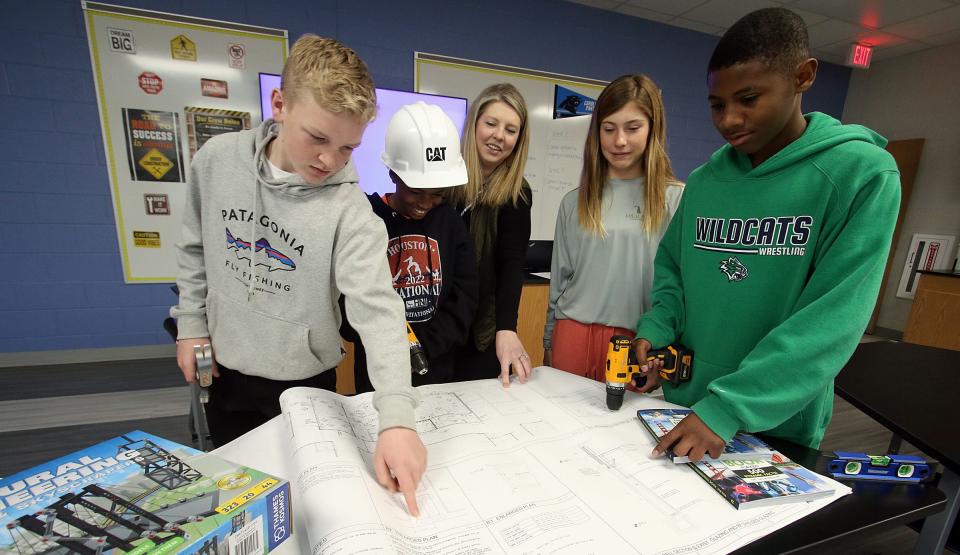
(581, 349)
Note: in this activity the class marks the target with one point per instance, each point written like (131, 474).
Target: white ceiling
(893, 27)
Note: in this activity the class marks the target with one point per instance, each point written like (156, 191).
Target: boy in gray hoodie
(274, 231)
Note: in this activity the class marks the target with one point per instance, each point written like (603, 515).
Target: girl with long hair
(609, 228)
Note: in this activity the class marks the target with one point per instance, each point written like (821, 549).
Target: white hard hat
(423, 148)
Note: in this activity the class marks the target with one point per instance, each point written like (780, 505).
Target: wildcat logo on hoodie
(767, 236)
(417, 275)
(734, 269)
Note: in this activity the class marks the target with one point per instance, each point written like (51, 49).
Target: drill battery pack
(677, 363)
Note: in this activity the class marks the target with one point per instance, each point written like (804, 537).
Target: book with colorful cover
(743, 445)
(758, 483)
(141, 494)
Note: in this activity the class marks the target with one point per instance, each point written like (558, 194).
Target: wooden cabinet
(935, 317)
(533, 316)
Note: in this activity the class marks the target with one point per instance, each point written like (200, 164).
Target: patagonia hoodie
(264, 261)
(770, 275)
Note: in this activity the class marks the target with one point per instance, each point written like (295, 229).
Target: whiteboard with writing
(556, 145)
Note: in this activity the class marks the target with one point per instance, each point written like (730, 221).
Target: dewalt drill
(622, 366)
(418, 356)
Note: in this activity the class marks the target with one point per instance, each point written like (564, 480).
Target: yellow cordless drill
(418, 356)
(623, 367)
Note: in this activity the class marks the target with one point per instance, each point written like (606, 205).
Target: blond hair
(643, 92)
(338, 79)
(505, 184)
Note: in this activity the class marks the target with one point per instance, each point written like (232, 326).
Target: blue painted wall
(61, 274)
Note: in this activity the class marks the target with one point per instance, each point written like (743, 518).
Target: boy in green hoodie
(771, 266)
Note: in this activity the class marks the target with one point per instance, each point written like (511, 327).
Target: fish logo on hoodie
(263, 254)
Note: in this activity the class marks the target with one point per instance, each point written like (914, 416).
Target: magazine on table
(743, 445)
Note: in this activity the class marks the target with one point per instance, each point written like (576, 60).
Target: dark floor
(40, 389)
(93, 377)
(23, 449)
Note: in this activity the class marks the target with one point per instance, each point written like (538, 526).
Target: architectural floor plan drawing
(542, 467)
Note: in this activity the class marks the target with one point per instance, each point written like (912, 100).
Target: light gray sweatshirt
(263, 263)
(605, 280)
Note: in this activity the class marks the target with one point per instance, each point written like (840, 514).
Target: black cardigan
(512, 239)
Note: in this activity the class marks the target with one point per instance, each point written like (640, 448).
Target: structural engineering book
(141, 494)
(763, 482)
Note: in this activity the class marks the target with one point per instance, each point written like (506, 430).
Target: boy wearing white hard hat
(429, 249)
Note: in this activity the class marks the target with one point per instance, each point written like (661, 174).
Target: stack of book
(749, 473)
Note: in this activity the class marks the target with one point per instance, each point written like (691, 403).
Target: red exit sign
(859, 56)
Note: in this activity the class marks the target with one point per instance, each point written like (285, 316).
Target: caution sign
(156, 163)
(153, 145)
(146, 239)
(182, 48)
(204, 123)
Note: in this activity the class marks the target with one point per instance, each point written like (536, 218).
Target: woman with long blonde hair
(609, 228)
(495, 204)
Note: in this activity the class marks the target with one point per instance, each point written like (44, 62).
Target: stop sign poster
(153, 145)
(150, 82)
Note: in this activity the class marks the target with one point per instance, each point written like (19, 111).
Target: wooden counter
(532, 317)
